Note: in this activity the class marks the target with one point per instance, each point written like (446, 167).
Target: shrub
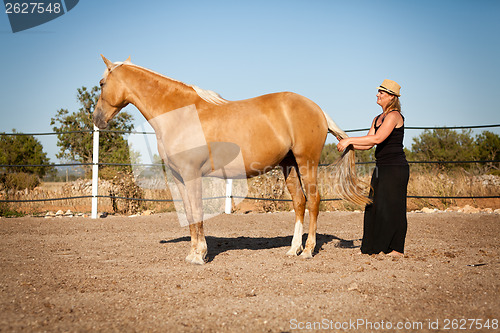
(19, 181)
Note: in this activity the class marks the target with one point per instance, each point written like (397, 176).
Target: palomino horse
(283, 129)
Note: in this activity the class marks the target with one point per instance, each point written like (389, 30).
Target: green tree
(113, 147)
(23, 150)
(443, 145)
(488, 146)
(488, 149)
(329, 154)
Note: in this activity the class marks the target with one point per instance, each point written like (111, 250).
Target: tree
(113, 147)
(329, 154)
(443, 145)
(488, 149)
(23, 150)
(488, 146)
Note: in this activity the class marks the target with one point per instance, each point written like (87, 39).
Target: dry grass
(453, 183)
(272, 185)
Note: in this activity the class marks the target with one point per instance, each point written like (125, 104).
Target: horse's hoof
(197, 260)
(294, 252)
(306, 254)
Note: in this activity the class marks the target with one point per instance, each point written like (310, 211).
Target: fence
(228, 196)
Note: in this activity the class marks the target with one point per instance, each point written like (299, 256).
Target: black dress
(385, 221)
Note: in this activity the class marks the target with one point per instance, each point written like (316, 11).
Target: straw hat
(391, 87)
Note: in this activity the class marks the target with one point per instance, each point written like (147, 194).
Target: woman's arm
(359, 147)
(368, 141)
(371, 131)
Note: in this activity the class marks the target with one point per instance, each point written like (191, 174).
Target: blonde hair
(395, 104)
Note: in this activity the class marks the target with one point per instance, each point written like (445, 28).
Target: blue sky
(445, 55)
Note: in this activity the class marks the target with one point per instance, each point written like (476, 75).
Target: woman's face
(383, 99)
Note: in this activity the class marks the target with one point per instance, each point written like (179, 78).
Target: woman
(385, 221)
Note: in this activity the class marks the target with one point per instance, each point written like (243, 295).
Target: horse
(280, 129)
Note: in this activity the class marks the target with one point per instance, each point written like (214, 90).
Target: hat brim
(388, 91)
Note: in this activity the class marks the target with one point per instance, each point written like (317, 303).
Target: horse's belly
(231, 160)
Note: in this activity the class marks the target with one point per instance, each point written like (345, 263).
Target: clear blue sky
(445, 55)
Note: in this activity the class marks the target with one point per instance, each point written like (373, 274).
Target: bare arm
(359, 147)
(372, 138)
(371, 131)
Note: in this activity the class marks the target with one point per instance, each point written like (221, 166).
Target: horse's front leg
(193, 200)
(198, 249)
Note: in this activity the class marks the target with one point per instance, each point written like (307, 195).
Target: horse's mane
(207, 95)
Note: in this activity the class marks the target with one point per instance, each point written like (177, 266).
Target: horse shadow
(217, 245)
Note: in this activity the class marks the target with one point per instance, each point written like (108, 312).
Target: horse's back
(304, 120)
(267, 127)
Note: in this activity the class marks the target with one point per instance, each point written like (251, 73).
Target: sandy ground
(129, 275)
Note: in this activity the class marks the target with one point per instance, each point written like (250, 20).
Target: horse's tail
(350, 187)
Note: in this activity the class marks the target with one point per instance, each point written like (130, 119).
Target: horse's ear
(108, 63)
(128, 61)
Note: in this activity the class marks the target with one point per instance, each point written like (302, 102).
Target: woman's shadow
(218, 245)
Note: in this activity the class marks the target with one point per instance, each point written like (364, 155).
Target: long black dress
(385, 221)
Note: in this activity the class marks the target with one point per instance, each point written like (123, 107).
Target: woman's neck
(386, 111)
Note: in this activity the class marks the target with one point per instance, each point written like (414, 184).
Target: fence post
(229, 193)
(95, 172)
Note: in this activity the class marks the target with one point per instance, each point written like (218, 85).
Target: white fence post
(229, 193)
(95, 172)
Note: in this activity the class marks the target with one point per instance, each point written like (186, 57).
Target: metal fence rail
(96, 164)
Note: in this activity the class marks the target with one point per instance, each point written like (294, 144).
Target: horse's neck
(155, 95)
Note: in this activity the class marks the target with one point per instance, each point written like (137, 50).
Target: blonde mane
(207, 95)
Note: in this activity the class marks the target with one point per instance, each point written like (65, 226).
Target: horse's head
(113, 94)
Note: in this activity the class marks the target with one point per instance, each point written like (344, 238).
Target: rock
(68, 213)
(469, 210)
(50, 215)
(353, 286)
(59, 213)
(428, 210)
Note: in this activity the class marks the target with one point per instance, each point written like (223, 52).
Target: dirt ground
(129, 275)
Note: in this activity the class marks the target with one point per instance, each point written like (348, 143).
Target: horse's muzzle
(98, 119)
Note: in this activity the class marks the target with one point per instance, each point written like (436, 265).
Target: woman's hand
(343, 144)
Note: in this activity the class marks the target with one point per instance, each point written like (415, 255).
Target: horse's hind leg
(292, 179)
(308, 173)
